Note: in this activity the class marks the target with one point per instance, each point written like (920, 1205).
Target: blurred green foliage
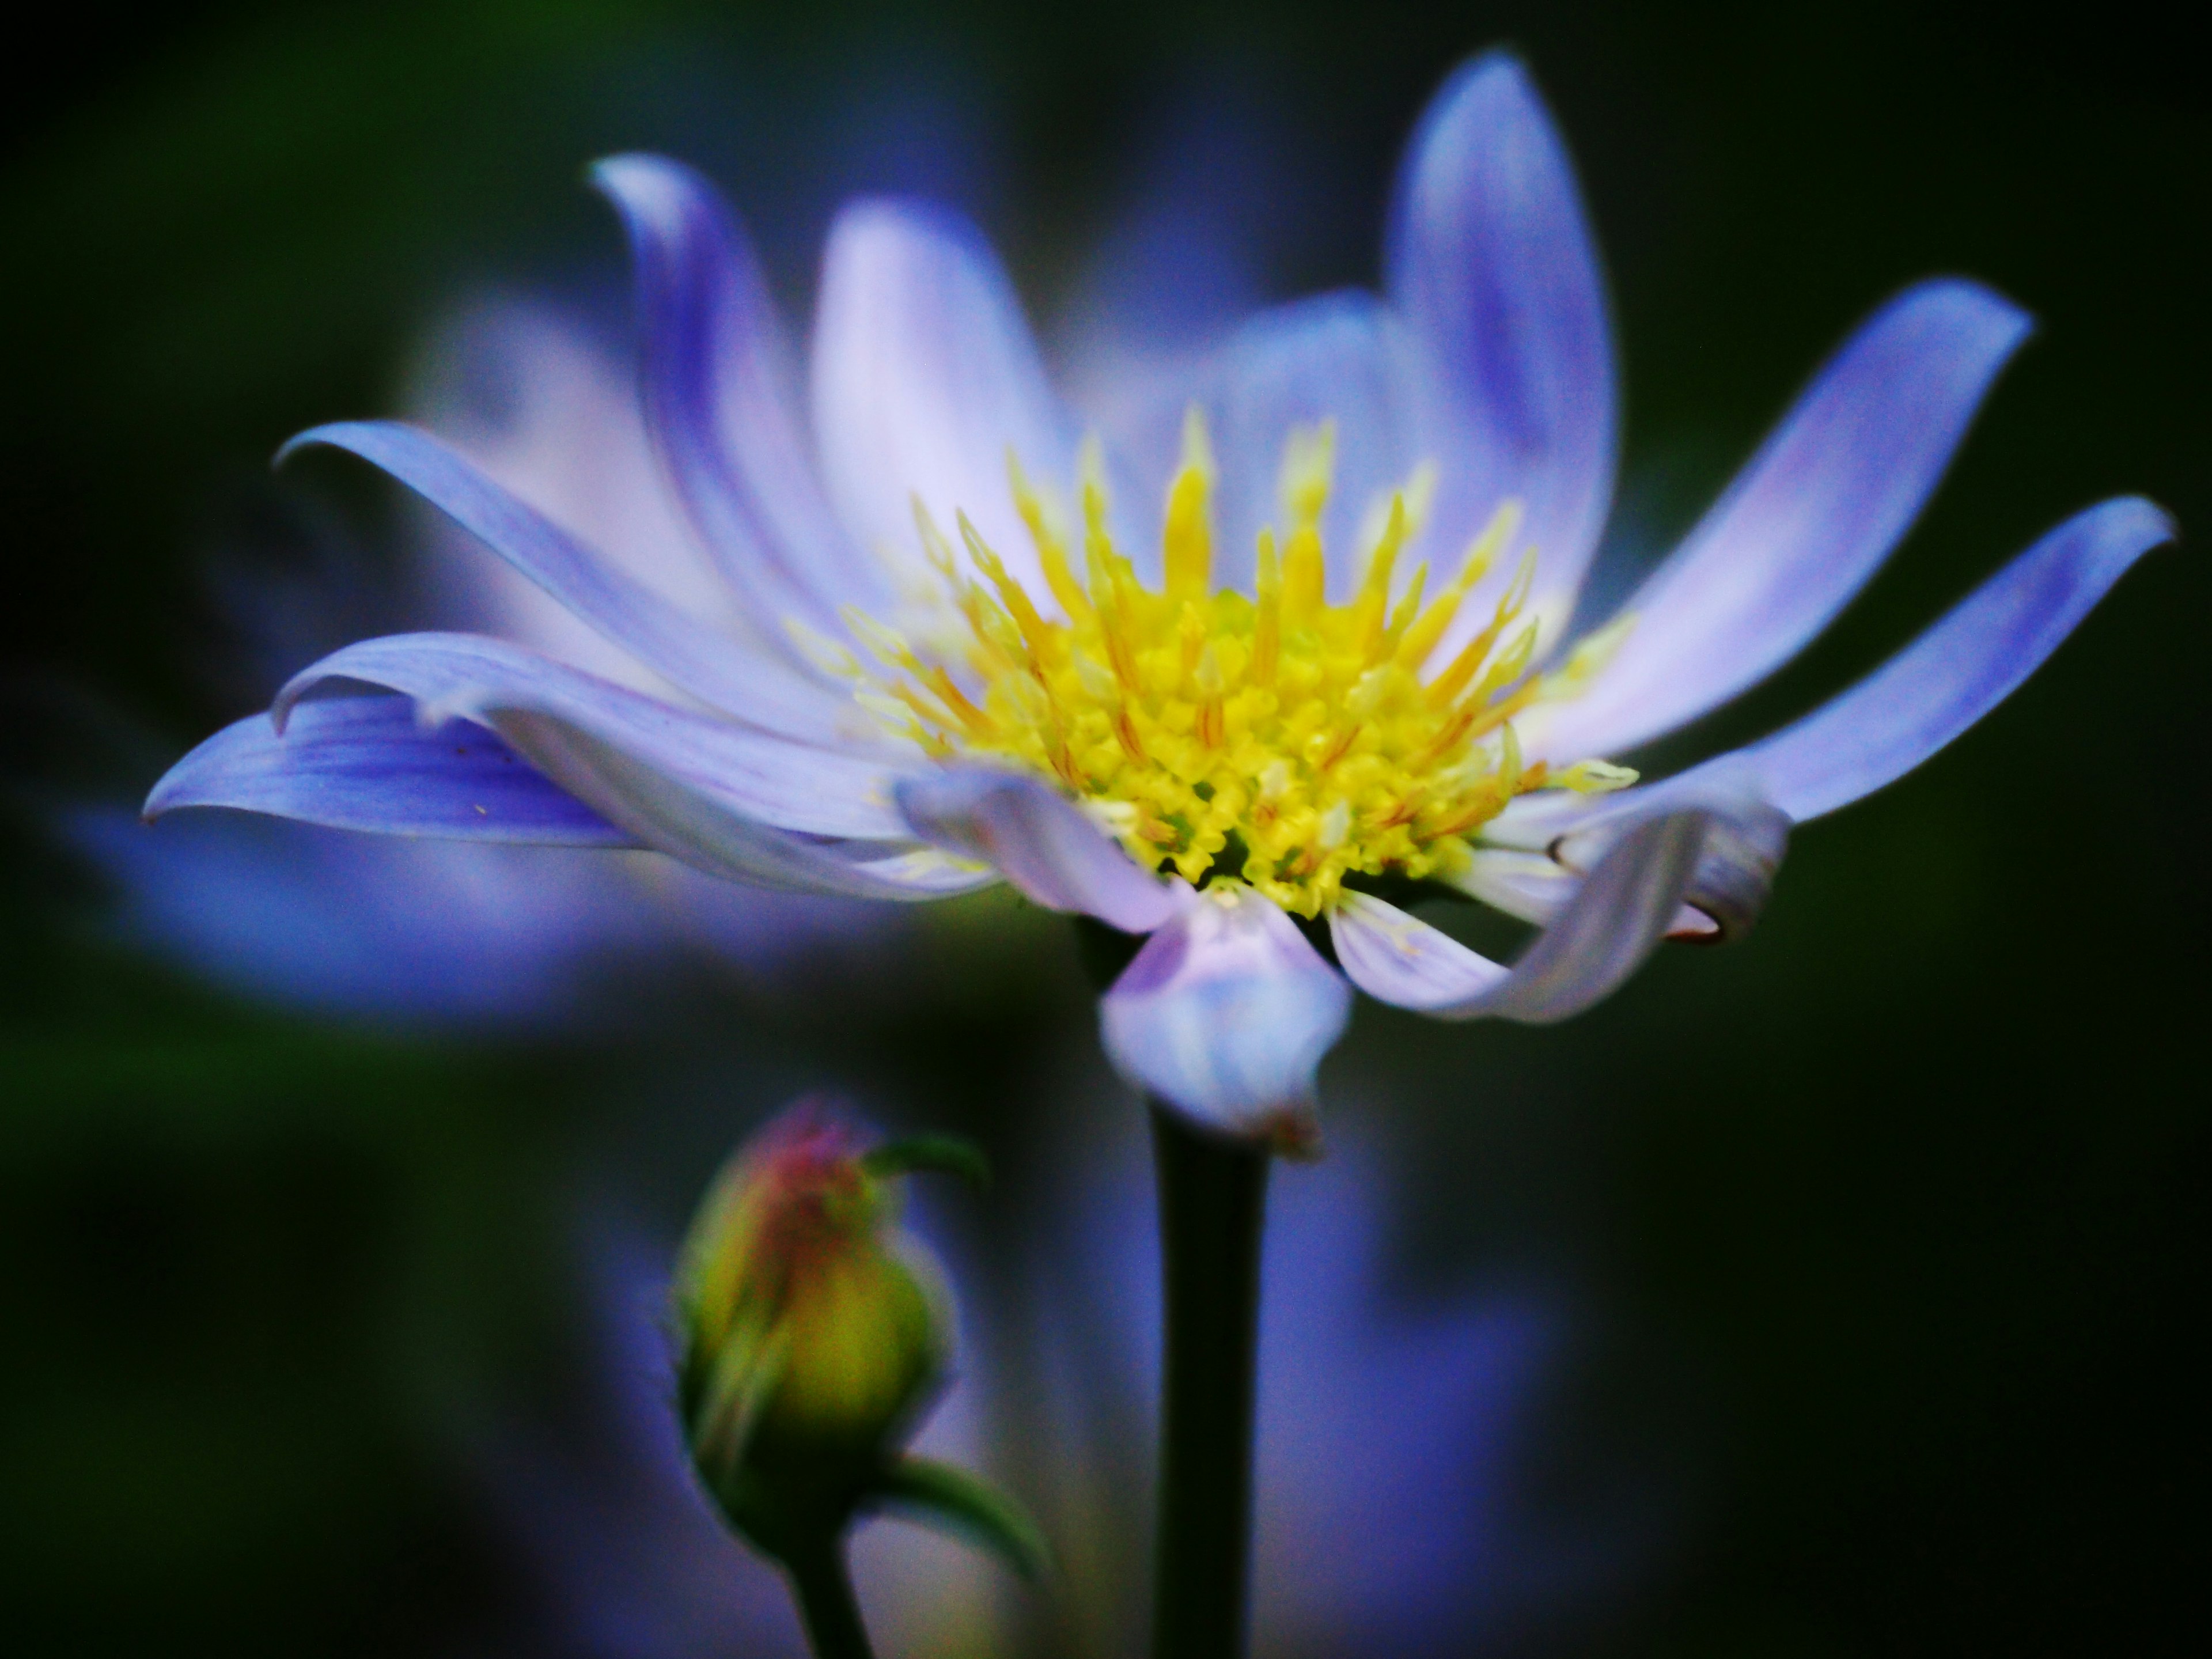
(1897, 1210)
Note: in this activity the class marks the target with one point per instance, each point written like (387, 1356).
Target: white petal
(925, 377)
(1225, 1015)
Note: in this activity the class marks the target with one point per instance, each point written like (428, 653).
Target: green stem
(822, 1584)
(1213, 1200)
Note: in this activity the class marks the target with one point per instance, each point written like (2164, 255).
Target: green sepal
(931, 1154)
(954, 1501)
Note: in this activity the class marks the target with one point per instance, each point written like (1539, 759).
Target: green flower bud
(813, 1332)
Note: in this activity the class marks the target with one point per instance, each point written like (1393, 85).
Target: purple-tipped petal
(785, 785)
(728, 800)
(1952, 675)
(368, 763)
(1616, 919)
(1491, 261)
(715, 667)
(1039, 841)
(925, 377)
(1805, 524)
(721, 394)
(1225, 1015)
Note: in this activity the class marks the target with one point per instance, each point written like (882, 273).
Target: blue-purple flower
(1248, 655)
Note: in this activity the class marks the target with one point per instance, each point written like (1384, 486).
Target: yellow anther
(1035, 634)
(934, 547)
(1308, 464)
(1051, 545)
(1595, 777)
(1189, 539)
(1304, 578)
(1267, 614)
(1367, 609)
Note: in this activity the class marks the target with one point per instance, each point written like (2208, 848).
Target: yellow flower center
(1274, 737)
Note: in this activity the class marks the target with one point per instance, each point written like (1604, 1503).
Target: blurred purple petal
(368, 763)
(1805, 524)
(712, 666)
(1225, 1015)
(1037, 839)
(1494, 265)
(924, 378)
(786, 785)
(722, 391)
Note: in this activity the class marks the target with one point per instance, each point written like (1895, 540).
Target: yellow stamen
(1190, 720)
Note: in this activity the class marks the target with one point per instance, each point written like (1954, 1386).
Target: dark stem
(825, 1589)
(1213, 1200)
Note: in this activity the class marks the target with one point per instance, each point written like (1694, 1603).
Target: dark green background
(1896, 1211)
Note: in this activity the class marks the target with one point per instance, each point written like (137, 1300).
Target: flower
(957, 651)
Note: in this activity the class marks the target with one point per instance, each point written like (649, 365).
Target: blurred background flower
(1824, 1297)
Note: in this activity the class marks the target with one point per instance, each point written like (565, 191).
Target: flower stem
(1213, 1195)
(823, 1585)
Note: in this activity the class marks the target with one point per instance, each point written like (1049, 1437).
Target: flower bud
(813, 1334)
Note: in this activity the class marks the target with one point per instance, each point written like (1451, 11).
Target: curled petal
(1959, 669)
(712, 666)
(1039, 841)
(1225, 1015)
(1734, 875)
(1492, 260)
(369, 763)
(1616, 918)
(925, 377)
(1532, 886)
(1805, 524)
(721, 394)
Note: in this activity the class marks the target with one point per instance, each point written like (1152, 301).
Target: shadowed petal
(1952, 676)
(1492, 263)
(1804, 525)
(711, 665)
(369, 763)
(1039, 841)
(925, 376)
(1226, 1014)
(1614, 921)
(720, 388)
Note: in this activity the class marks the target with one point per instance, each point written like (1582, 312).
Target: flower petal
(1532, 886)
(369, 763)
(925, 378)
(733, 802)
(1039, 841)
(1805, 524)
(711, 665)
(1491, 261)
(786, 785)
(721, 394)
(1619, 915)
(1952, 675)
(1226, 1014)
